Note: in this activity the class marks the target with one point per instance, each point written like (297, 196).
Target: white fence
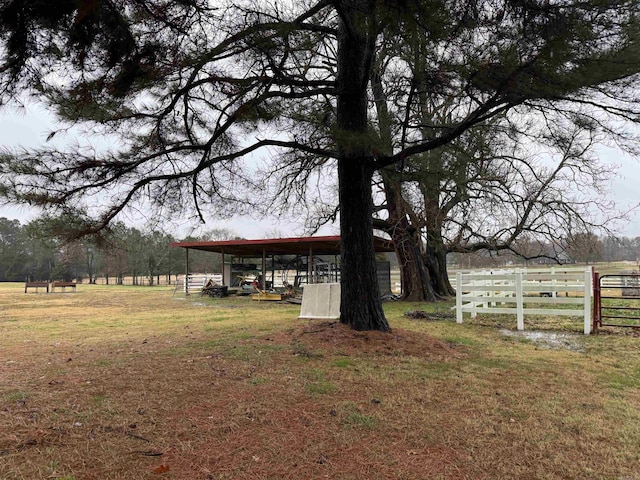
(196, 282)
(526, 292)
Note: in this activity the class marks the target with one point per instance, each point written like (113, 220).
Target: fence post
(492, 292)
(519, 302)
(587, 301)
(475, 293)
(596, 301)
(458, 297)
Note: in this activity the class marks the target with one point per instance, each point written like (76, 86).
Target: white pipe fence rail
(195, 283)
(526, 292)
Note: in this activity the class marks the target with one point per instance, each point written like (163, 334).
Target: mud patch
(422, 315)
(550, 340)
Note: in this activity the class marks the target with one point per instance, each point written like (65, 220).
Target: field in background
(130, 382)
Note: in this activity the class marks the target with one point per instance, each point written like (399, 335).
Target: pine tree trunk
(417, 284)
(423, 271)
(415, 276)
(436, 251)
(361, 306)
(436, 261)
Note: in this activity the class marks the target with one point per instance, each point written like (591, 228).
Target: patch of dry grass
(129, 382)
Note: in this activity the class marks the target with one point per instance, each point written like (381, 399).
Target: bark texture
(361, 306)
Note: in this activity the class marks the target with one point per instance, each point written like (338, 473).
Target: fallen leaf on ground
(161, 469)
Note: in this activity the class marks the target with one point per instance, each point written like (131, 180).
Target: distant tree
(12, 250)
(157, 254)
(619, 248)
(92, 257)
(585, 247)
(219, 234)
(205, 262)
(41, 251)
(134, 246)
(114, 253)
(175, 265)
(71, 262)
(148, 254)
(67, 256)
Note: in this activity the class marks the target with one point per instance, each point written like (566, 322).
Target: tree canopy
(192, 89)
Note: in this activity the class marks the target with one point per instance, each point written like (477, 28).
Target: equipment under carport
(262, 296)
(307, 255)
(213, 289)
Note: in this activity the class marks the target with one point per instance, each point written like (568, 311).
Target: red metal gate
(616, 301)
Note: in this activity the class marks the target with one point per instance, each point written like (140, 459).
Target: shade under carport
(309, 246)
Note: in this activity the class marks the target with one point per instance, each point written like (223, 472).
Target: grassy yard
(132, 383)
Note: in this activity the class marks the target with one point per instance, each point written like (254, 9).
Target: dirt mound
(339, 338)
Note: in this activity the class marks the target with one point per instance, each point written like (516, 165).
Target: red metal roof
(327, 245)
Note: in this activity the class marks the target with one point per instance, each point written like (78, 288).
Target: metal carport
(303, 246)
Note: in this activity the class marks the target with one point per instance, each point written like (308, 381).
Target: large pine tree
(192, 87)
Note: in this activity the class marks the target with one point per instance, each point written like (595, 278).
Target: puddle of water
(550, 340)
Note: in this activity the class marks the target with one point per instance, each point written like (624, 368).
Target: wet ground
(550, 340)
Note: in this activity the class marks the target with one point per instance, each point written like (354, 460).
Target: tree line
(583, 248)
(123, 255)
(143, 256)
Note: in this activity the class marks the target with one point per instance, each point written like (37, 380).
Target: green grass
(357, 419)
(352, 417)
(343, 362)
(317, 383)
(16, 396)
(95, 383)
(460, 340)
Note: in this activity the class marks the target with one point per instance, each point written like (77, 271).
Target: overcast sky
(29, 128)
